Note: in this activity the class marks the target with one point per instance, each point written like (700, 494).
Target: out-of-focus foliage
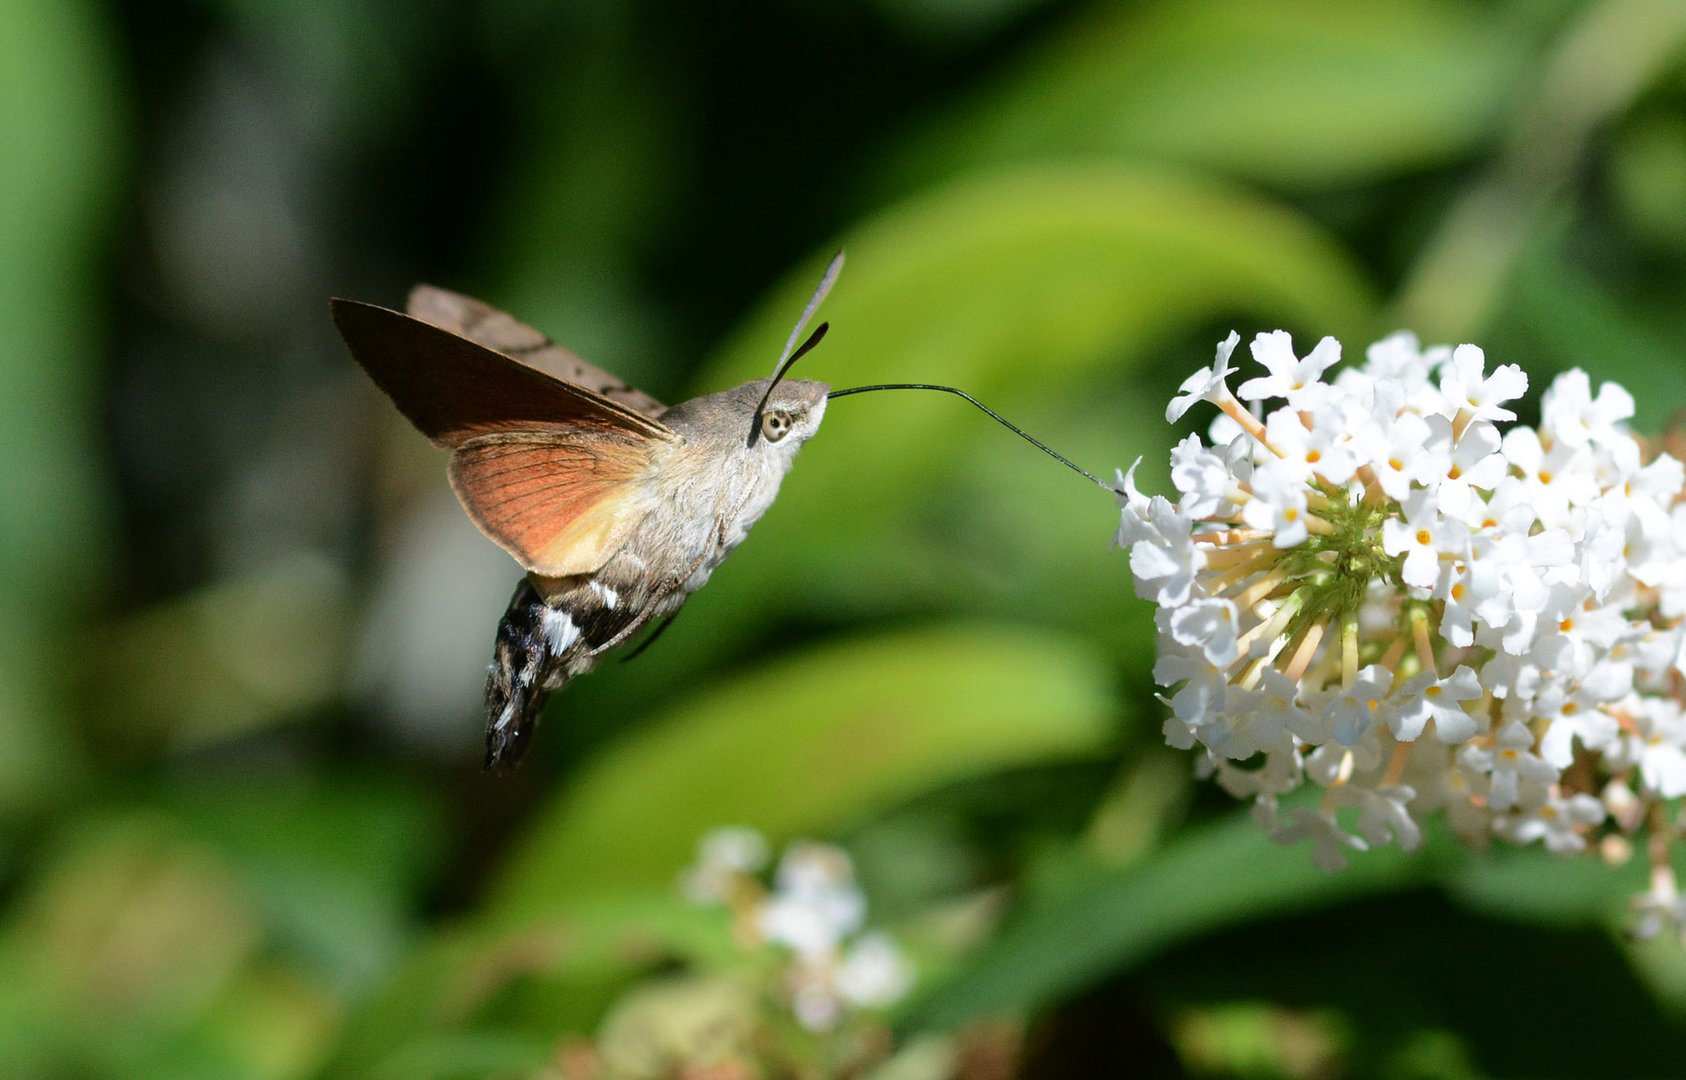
(60, 128)
(242, 828)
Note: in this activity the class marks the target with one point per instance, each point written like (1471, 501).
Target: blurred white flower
(815, 903)
(813, 913)
(724, 857)
(1560, 823)
(1575, 417)
(1655, 741)
(874, 973)
(1329, 842)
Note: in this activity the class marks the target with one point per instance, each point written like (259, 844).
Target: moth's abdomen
(543, 642)
(523, 661)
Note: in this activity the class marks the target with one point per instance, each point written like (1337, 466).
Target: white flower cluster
(815, 912)
(1375, 583)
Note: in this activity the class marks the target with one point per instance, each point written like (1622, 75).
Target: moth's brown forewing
(481, 322)
(454, 389)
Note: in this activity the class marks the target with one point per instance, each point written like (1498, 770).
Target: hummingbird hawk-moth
(617, 507)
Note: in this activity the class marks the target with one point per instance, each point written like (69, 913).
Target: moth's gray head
(789, 419)
(791, 415)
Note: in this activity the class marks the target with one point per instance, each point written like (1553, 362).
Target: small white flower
(1640, 492)
(1573, 711)
(1442, 786)
(1656, 743)
(1570, 411)
(1467, 586)
(1558, 822)
(1321, 452)
(1206, 625)
(1468, 389)
(1516, 775)
(1205, 689)
(1264, 717)
(1135, 510)
(1475, 466)
(1524, 561)
(1207, 384)
(1401, 454)
(1422, 538)
(1297, 380)
(1400, 368)
(1384, 814)
(1278, 505)
(1427, 697)
(1201, 476)
(1602, 562)
(1330, 842)
(1659, 908)
(1663, 767)
(1575, 631)
(1163, 555)
(812, 916)
(1551, 481)
(1359, 706)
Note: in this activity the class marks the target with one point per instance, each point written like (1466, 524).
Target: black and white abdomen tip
(541, 644)
(532, 638)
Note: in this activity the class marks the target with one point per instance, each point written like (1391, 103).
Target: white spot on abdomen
(604, 593)
(559, 629)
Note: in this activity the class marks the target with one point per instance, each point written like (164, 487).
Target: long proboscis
(997, 417)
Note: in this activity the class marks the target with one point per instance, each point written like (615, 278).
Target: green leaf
(1532, 885)
(126, 939)
(533, 983)
(1570, 318)
(1091, 919)
(1648, 177)
(1423, 987)
(807, 745)
(356, 845)
(1298, 93)
(57, 123)
(463, 1057)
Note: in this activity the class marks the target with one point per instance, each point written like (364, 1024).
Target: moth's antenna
(997, 417)
(802, 350)
(827, 280)
(792, 351)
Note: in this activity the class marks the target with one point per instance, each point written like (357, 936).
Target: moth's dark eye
(775, 425)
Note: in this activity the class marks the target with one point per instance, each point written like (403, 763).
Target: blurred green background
(243, 830)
